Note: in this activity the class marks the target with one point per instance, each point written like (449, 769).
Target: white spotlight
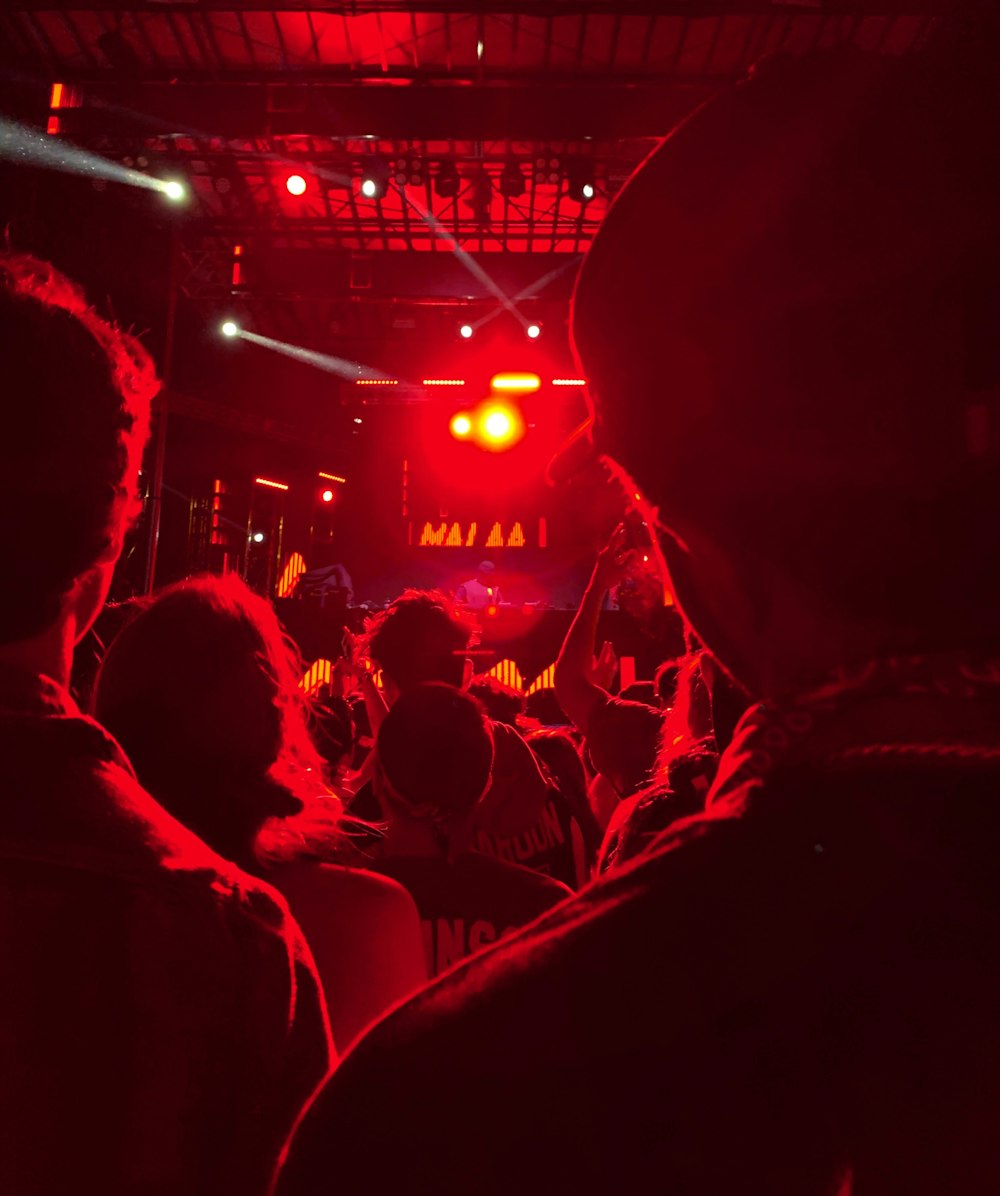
(229, 328)
(465, 332)
(258, 537)
(174, 191)
(587, 190)
(534, 331)
(369, 188)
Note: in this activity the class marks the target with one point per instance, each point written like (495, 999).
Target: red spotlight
(500, 427)
(295, 184)
(461, 425)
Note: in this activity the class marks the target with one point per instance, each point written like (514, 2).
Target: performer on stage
(482, 591)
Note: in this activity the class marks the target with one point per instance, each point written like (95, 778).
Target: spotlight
(174, 191)
(230, 329)
(295, 184)
(497, 425)
(461, 426)
(512, 181)
(374, 179)
(447, 181)
(258, 537)
(500, 427)
(465, 332)
(580, 179)
(327, 496)
(533, 331)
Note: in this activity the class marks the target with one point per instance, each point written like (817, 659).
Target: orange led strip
(569, 382)
(443, 382)
(269, 484)
(332, 477)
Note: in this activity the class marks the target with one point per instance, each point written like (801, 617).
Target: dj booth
(528, 636)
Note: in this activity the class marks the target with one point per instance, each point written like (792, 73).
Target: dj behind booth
(643, 629)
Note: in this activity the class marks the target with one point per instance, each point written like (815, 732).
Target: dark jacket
(160, 1018)
(797, 993)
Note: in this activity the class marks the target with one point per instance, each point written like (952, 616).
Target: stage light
(516, 383)
(447, 181)
(358, 419)
(466, 331)
(512, 182)
(580, 179)
(409, 171)
(174, 191)
(269, 484)
(230, 329)
(533, 331)
(258, 537)
(295, 184)
(461, 426)
(375, 179)
(327, 496)
(497, 425)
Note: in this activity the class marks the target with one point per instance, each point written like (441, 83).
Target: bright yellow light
(497, 425)
(461, 426)
(174, 190)
(521, 384)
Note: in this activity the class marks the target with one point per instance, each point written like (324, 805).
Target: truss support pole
(154, 491)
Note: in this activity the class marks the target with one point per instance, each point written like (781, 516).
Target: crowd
(733, 929)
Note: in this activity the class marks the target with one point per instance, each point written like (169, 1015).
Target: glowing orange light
(295, 184)
(332, 477)
(270, 484)
(53, 126)
(443, 382)
(569, 382)
(295, 567)
(507, 672)
(56, 99)
(327, 496)
(461, 425)
(376, 382)
(545, 679)
(515, 383)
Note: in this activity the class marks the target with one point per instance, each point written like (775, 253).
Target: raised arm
(578, 675)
